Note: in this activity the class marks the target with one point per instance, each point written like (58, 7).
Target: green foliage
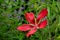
(12, 15)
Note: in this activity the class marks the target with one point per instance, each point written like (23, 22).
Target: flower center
(36, 24)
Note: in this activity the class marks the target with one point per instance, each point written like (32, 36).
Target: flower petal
(31, 32)
(24, 27)
(30, 17)
(42, 14)
(43, 24)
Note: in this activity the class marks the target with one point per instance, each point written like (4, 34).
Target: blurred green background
(12, 15)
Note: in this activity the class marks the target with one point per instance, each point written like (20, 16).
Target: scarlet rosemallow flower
(34, 23)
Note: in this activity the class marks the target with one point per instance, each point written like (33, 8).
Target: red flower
(34, 23)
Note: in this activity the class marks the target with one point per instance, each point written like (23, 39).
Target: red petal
(24, 27)
(42, 14)
(31, 32)
(30, 17)
(43, 24)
